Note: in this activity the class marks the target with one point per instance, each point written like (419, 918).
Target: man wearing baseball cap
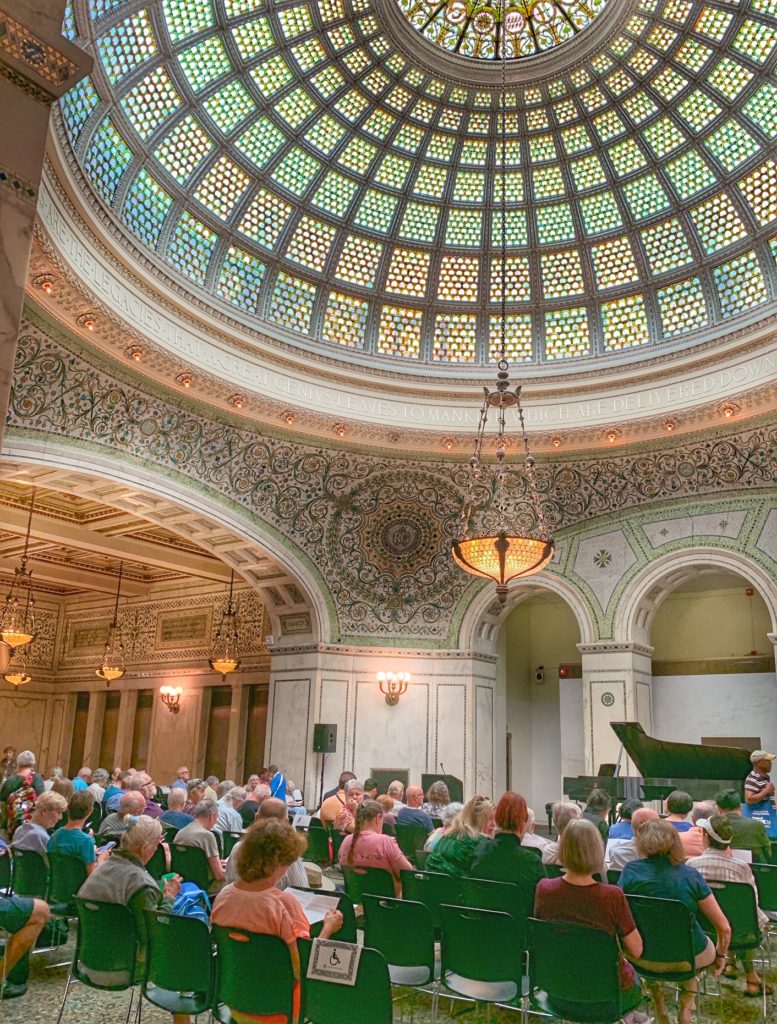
(759, 787)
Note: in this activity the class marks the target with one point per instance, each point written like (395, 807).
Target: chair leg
(131, 1002)
(67, 990)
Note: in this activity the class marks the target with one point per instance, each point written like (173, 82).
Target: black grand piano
(702, 771)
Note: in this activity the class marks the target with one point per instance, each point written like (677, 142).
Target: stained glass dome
(285, 161)
(491, 29)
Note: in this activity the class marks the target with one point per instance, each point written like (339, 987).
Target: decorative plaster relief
(601, 561)
(663, 531)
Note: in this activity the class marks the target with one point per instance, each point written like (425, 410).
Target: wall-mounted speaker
(324, 738)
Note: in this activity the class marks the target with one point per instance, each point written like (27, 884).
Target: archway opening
(539, 676)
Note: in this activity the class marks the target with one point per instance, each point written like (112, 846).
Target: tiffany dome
(303, 169)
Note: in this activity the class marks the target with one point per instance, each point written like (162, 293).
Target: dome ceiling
(289, 161)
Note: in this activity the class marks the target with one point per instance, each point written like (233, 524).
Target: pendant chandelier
(224, 657)
(17, 618)
(112, 665)
(499, 547)
(16, 673)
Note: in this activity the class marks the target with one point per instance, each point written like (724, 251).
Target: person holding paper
(255, 904)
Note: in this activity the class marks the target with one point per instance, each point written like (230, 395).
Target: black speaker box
(324, 738)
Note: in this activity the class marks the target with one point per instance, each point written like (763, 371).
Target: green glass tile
(740, 284)
(311, 243)
(683, 308)
(567, 334)
(222, 187)
(241, 279)
(761, 109)
(464, 228)
(690, 174)
(265, 218)
(645, 197)
(624, 323)
(335, 194)
(359, 261)
(107, 158)
(272, 75)
(376, 211)
(731, 145)
(587, 172)
(562, 274)
(291, 304)
(184, 148)
(153, 101)
(554, 224)
(126, 46)
(419, 223)
(185, 17)
(190, 247)
(399, 332)
(204, 62)
(345, 320)
(77, 106)
(261, 141)
(666, 246)
(296, 171)
(600, 213)
(229, 106)
(253, 38)
(146, 208)
(759, 190)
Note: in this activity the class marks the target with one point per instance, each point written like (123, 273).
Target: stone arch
(484, 617)
(239, 539)
(643, 595)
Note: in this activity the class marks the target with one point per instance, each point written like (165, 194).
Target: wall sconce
(171, 697)
(393, 685)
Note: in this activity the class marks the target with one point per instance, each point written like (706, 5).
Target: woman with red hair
(503, 859)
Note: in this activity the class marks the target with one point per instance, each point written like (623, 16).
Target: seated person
(597, 810)
(411, 813)
(577, 898)
(34, 834)
(447, 817)
(334, 799)
(195, 791)
(371, 789)
(255, 904)
(626, 850)
(199, 833)
(454, 853)
(230, 802)
(175, 816)
(123, 879)
(504, 858)
(367, 847)
(71, 839)
(661, 871)
(437, 799)
(24, 918)
(620, 831)
(678, 806)
(749, 833)
(99, 784)
(295, 875)
(354, 794)
(396, 791)
(389, 818)
(131, 804)
(717, 865)
(530, 839)
(693, 838)
(563, 812)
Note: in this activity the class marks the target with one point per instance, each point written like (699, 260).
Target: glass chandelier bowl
(112, 666)
(16, 673)
(225, 657)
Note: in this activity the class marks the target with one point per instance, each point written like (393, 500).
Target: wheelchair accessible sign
(335, 962)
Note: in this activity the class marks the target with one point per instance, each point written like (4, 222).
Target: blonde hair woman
(454, 852)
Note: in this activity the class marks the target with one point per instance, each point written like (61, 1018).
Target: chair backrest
(229, 841)
(157, 866)
(366, 1002)
(254, 973)
(577, 967)
(509, 897)
(191, 864)
(613, 874)
(766, 881)
(5, 872)
(737, 901)
(96, 817)
(402, 930)
(432, 888)
(421, 857)
(484, 945)
(667, 935)
(358, 881)
(347, 932)
(66, 876)
(319, 846)
(30, 873)
(106, 941)
(554, 870)
(179, 956)
(411, 839)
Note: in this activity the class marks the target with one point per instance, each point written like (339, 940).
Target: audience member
(131, 805)
(71, 838)
(278, 785)
(693, 838)
(367, 847)
(411, 813)
(396, 791)
(64, 787)
(678, 806)
(148, 789)
(229, 819)
(33, 835)
(530, 838)
(195, 792)
(437, 799)
(199, 833)
(661, 871)
(210, 788)
(251, 805)
(389, 818)
(123, 879)
(716, 864)
(620, 832)
(334, 803)
(454, 852)
(24, 919)
(447, 817)
(562, 813)
(181, 778)
(98, 784)
(83, 779)
(577, 898)
(8, 763)
(129, 782)
(354, 794)
(19, 792)
(371, 789)
(55, 773)
(597, 809)
(295, 875)
(113, 786)
(749, 833)
(504, 858)
(255, 904)
(175, 816)
(626, 850)
(344, 777)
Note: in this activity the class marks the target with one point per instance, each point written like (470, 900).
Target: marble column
(122, 752)
(94, 729)
(37, 66)
(236, 739)
(444, 723)
(617, 687)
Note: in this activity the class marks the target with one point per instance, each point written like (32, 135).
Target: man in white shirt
(229, 818)
(295, 875)
(529, 838)
(98, 784)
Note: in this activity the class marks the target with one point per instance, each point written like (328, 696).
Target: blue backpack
(192, 901)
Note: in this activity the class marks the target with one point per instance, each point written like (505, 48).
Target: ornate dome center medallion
(477, 28)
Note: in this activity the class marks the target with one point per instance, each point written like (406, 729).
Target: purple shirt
(153, 810)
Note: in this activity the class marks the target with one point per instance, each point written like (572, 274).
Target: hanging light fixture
(16, 673)
(501, 549)
(112, 664)
(17, 619)
(224, 655)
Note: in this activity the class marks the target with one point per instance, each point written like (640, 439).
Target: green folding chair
(482, 955)
(30, 873)
(404, 933)
(66, 876)
(191, 864)
(319, 848)
(554, 870)
(347, 932)
(574, 974)
(106, 950)
(180, 963)
(5, 873)
(229, 841)
(358, 881)
(157, 866)
(411, 839)
(508, 897)
(366, 1002)
(613, 875)
(432, 888)
(254, 974)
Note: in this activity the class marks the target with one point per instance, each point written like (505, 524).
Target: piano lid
(664, 759)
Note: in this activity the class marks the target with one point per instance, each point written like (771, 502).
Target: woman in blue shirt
(662, 872)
